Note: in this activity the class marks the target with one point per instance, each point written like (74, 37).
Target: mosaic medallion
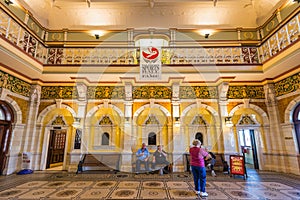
(182, 194)
(37, 194)
(65, 194)
(10, 193)
(105, 184)
(57, 184)
(178, 184)
(95, 194)
(153, 194)
(129, 184)
(152, 184)
(124, 194)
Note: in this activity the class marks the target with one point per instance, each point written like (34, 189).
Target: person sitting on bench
(142, 158)
(160, 157)
(211, 162)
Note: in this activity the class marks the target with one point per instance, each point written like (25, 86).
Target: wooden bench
(158, 167)
(220, 164)
(101, 162)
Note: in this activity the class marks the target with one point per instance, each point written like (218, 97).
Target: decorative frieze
(152, 92)
(288, 85)
(203, 92)
(106, 92)
(246, 92)
(14, 84)
(59, 92)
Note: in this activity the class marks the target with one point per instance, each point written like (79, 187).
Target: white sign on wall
(150, 59)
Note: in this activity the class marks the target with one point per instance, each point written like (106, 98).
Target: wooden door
(56, 147)
(4, 144)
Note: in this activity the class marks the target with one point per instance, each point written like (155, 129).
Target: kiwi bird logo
(151, 53)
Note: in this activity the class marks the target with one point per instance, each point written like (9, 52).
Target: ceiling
(140, 14)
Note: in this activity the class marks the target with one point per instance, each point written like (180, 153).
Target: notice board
(237, 165)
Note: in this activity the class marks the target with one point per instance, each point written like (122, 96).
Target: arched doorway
(6, 120)
(296, 120)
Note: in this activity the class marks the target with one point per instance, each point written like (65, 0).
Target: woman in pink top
(198, 155)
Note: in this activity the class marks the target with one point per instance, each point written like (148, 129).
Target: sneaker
(197, 192)
(213, 173)
(203, 194)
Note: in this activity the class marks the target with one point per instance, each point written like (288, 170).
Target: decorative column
(31, 138)
(79, 131)
(128, 137)
(225, 133)
(178, 133)
(275, 141)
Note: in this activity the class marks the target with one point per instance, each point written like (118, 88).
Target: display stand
(26, 158)
(237, 165)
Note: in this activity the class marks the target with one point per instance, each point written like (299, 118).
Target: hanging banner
(150, 59)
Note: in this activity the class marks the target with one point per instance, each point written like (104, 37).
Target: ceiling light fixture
(206, 32)
(97, 33)
(89, 3)
(8, 2)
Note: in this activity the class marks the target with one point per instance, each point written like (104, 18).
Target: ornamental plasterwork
(59, 92)
(198, 120)
(106, 92)
(248, 92)
(287, 85)
(105, 121)
(14, 84)
(246, 120)
(58, 121)
(152, 92)
(203, 92)
(151, 120)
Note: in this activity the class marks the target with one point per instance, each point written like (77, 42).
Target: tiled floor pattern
(62, 186)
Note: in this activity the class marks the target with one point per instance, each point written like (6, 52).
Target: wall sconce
(8, 2)
(206, 35)
(177, 121)
(76, 123)
(228, 122)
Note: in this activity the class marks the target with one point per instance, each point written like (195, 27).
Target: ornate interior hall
(83, 83)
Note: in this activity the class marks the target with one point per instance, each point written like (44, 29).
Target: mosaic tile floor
(58, 185)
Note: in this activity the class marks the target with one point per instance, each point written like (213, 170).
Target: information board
(237, 165)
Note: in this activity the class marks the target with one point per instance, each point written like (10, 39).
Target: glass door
(248, 148)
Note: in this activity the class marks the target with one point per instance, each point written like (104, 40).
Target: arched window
(296, 120)
(152, 138)
(105, 139)
(199, 136)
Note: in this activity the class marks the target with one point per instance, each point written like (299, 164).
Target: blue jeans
(138, 165)
(199, 175)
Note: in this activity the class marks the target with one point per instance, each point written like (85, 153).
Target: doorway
(56, 148)
(248, 148)
(6, 120)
